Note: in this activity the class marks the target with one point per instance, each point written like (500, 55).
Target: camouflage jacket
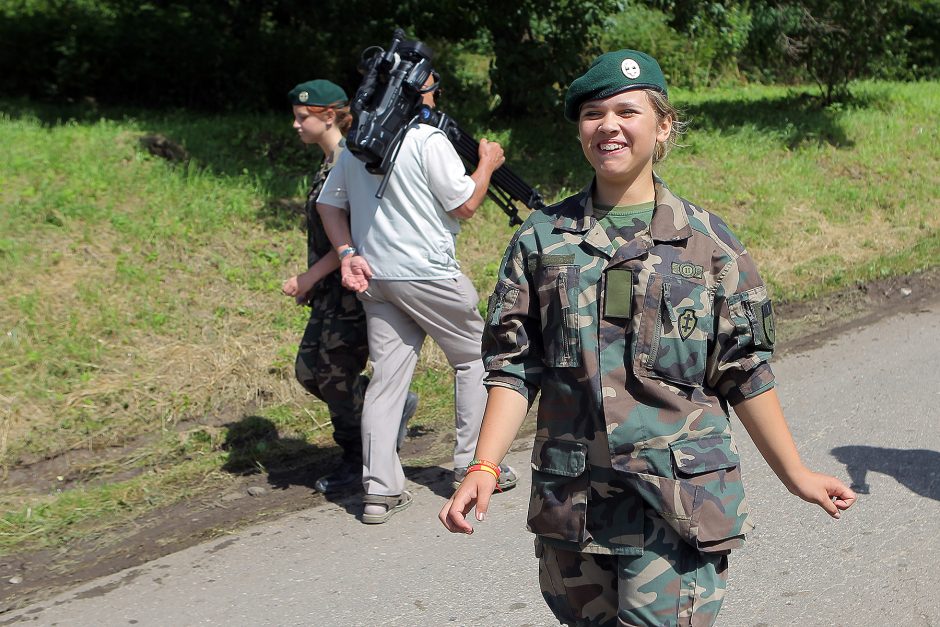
(636, 348)
(328, 297)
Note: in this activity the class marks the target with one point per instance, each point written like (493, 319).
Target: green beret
(613, 73)
(317, 93)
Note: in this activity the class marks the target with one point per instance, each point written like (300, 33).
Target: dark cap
(613, 73)
(317, 93)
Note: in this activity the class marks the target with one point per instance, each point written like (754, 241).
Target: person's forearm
(481, 181)
(763, 418)
(323, 267)
(505, 411)
(336, 224)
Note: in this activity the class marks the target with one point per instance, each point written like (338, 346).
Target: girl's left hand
(828, 492)
(290, 287)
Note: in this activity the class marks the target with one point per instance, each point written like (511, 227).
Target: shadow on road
(435, 478)
(916, 469)
(256, 447)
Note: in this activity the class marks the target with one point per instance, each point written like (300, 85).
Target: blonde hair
(665, 109)
(343, 116)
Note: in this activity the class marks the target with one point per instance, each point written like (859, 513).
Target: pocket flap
(559, 457)
(708, 454)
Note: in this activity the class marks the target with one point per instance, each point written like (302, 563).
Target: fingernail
(481, 516)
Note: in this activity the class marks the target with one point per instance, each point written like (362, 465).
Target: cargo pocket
(558, 303)
(677, 322)
(558, 507)
(705, 502)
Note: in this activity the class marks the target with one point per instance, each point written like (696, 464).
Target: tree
(539, 47)
(839, 41)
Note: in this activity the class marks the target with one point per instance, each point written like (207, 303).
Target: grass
(144, 338)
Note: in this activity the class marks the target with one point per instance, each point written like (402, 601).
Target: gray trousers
(399, 315)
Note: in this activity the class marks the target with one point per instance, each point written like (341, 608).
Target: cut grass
(142, 323)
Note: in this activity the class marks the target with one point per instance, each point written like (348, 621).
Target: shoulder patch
(770, 326)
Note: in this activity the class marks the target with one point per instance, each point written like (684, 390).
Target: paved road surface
(864, 405)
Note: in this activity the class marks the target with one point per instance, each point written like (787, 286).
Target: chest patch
(687, 270)
(686, 323)
(557, 260)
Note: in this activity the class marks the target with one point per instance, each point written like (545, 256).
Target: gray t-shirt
(408, 234)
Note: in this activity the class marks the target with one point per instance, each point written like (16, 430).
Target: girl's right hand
(476, 490)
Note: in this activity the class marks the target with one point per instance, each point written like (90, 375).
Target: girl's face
(310, 126)
(619, 134)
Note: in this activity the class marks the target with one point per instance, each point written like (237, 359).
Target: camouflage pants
(670, 584)
(330, 361)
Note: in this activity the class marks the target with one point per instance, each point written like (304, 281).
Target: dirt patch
(41, 574)
(811, 323)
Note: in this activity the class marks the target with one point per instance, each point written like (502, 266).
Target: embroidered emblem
(630, 68)
(688, 270)
(686, 323)
(303, 96)
(770, 328)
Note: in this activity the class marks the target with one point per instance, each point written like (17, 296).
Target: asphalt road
(863, 407)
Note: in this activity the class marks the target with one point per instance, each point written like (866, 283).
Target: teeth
(609, 146)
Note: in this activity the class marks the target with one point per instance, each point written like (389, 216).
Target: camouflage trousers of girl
(332, 355)
(671, 583)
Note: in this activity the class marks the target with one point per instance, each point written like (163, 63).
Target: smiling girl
(639, 318)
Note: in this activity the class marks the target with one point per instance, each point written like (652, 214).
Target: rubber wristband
(349, 250)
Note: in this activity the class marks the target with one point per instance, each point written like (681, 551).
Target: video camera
(389, 100)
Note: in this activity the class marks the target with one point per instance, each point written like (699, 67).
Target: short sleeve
(334, 191)
(447, 176)
(745, 333)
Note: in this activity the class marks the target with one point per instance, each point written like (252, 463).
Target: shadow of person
(254, 446)
(916, 469)
(435, 478)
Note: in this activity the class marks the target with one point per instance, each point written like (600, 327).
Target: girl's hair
(665, 109)
(343, 116)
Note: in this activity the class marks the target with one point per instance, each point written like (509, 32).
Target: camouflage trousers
(671, 583)
(332, 355)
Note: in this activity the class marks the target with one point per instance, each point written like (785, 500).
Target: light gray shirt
(407, 234)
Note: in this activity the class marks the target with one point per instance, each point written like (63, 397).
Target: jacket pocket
(558, 507)
(558, 302)
(705, 501)
(676, 324)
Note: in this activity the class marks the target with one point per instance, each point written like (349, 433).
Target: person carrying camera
(333, 350)
(398, 253)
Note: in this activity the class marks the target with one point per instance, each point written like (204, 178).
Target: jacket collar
(670, 222)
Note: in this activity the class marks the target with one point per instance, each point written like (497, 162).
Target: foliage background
(508, 58)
